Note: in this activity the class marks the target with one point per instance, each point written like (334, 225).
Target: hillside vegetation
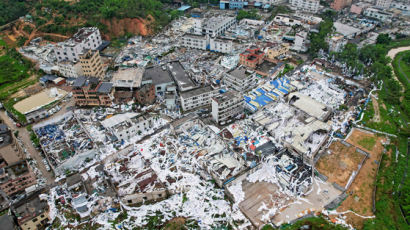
(13, 9)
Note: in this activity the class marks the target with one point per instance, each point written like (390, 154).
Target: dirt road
(392, 53)
(375, 103)
(24, 135)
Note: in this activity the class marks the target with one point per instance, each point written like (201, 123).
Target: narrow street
(24, 136)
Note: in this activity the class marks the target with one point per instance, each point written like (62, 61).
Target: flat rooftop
(309, 105)
(39, 100)
(240, 73)
(180, 76)
(196, 36)
(265, 66)
(227, 96)
(158, 75)
(30, 208)
(196, 92)
(216, 22)
(345, 29)
(130, 77)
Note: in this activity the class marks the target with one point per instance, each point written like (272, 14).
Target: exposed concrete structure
(10, 151)
(240, 79)
(92, 92)
(16, 178)
(227, 106)
(197, 97)
(32, 213)
(70, 69)
(127, 125)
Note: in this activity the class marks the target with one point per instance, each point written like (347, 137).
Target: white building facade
(85, 38)
(240, 79)
(301, 41)
(311, 6)
(380, 15)
(128, 125)
(194, 41)
(70, 69)
(221, 45)
(385, 4)
(227, 106)
(216, 26)
(197, 98)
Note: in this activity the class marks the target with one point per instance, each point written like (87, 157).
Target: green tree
(383, 39)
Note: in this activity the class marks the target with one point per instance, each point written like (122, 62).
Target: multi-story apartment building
(221, 45)
(400, 5)
(301, 42)
(85, 38)
(311, 6)
(385, 4)
(251, 57)
(90, 91)
(216, 26)
(32, 213)
(194, 41)
(91, 64)
(340, 4)
(232, 4)
(203, 43)
(276, 50)
(240, 79)
(10, 150)
(70, 69)
(227, 106)
(336, 43)
(380, 15)
(16, 178)
(128, 125)
(197, 97)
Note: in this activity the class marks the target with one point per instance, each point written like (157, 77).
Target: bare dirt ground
(340, 163)
(30, 90)
(375, 103)
(360, 199)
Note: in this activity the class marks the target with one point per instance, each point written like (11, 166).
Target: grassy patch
(394, 117)
(268, 227)
(367, 142)
(401, 66)
(13, 68)
(389, 184)
(313, 223)
(9, 106)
